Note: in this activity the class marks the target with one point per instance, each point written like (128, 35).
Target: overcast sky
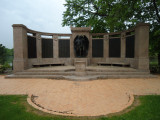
(40, 15)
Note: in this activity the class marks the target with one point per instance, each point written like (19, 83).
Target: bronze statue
(81, 45)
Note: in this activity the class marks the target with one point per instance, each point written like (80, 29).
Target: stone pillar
(72, 47)
(55, 47)
(142, 46)
(39, 47)
(106, 46)
(90, 46)
(123, 45)
(20, 61)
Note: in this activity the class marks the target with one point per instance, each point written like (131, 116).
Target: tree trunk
(159, 59)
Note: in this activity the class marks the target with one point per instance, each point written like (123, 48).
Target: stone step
(126, 76)
(44, 73)
(88, 69)
(118, 73)
(112, 70)
(35, 76)
(87, 73)
(81, 77)
(108, 77)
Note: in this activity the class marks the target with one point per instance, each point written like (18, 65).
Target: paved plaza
(80, 98)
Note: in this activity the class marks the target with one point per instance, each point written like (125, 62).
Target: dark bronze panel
(115, 47)
(32, 49)
(130, 44)
(64, 48)
(47, 48)
(97, 48)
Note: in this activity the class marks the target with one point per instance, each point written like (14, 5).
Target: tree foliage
(6, 55)
(110, 15)
(2, 54)
(115, 15)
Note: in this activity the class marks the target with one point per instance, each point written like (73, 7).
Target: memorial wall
(34, 48)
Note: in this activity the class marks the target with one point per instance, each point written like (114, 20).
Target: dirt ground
(80, 98)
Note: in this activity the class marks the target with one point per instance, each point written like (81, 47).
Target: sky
(39, 15)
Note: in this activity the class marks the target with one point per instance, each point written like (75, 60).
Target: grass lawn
(15, 107)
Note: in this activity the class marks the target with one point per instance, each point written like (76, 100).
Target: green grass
(153, 63)
(15, 107)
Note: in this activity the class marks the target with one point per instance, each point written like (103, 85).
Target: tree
(6, 55)
(115, 15)
(155, 42)
(2, 54)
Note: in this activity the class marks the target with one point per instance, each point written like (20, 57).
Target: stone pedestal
(80, 67)
(86, 60)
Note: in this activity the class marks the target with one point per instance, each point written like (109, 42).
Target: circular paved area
(80, 98)
(83, 99)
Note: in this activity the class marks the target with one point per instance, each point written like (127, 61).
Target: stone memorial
(81, 49)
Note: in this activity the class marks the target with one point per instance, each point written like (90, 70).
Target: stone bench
(48, 64)
(114, 64)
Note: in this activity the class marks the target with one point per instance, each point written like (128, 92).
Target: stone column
(39, 47)
(90, 45)
(20, 61)
(106, 46)
(123, 45)
(72, 46)
(142, 46)
(55, 47)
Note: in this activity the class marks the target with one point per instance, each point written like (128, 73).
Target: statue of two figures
(81, 45)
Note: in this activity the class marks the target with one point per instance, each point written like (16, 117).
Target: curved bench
(114, 64)
(48, 64)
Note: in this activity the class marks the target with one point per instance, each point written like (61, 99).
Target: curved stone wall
(33, 48)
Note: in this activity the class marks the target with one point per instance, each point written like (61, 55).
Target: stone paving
(80, 98)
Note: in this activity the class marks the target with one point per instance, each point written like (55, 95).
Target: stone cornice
(19, 25)
(142, 24)
(80, 29)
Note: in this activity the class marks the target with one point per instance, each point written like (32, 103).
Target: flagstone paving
(80, 98)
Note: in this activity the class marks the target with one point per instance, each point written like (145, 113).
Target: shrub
(4, 67)
(155, 69)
